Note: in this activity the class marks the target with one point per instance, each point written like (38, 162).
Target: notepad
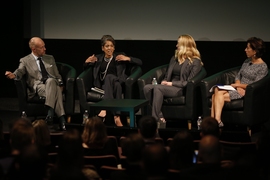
(224, 87)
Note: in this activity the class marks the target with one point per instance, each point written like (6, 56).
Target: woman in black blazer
(109, 71)
(183, 66)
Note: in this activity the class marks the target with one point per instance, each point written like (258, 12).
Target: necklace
(108, 59)
(103, 74)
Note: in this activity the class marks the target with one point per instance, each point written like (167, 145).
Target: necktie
(43, 70)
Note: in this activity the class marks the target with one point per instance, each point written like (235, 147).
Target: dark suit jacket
(120, 68)
(188, 71)
(29, 67)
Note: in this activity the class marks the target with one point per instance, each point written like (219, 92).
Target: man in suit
(42, 78)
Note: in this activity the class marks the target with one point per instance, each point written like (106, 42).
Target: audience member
(42, 78)
(109, 71)
(155, 162)
(209, 126)
(30, 164)
(95, 139)
(252, 70)
(21, 135)
(209, 150)
(4, 143)
(263, 156)
(181, 150)
(148, 129)
(91, 174)
(43, 137)
(209, 161)
(69, 163)
(132, 148)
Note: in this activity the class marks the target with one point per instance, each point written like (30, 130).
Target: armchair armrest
(193, 86)
(22, 93)
(147, 78)
(256, 101)
(223, 77)
(218, 78)
(68, 74)
(131, 85)
(84, 83)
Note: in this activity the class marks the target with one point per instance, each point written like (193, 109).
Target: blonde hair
(186, 49)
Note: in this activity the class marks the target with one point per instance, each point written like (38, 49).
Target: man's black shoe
(49, 120)
(42, 97)
(62, 127)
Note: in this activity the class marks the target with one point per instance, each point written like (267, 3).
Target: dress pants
(112, 87)
(53, 94)
(156, 93)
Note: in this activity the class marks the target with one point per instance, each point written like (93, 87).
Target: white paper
(225, 87)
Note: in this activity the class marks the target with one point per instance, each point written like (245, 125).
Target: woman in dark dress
(252, 70)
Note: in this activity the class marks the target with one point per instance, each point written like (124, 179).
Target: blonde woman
(183, 66)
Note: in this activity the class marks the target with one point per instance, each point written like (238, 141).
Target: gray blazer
(188, 71)
(29, 67)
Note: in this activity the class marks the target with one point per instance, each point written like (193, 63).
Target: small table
(128, 105)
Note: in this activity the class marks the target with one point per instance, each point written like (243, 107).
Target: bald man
(42, 78)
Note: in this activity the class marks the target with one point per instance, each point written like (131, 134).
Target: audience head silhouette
(209, 150)
(42, 132)
(148, 127)
(155, 161)
(209, 126)
(94, 134)
(132, 147)
(22, 134)
(181, 150)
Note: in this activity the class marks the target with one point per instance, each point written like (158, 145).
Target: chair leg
(189, 124)
(68, 119)
(249, 130)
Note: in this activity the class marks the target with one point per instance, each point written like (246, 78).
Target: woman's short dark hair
(107, 38)
(257, 45)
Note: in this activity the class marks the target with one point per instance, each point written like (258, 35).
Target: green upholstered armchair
(85, 83)
(250, 111)
(34, 107)
(185, 107)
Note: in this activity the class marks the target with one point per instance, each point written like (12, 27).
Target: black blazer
(120, 67)
(188, 71)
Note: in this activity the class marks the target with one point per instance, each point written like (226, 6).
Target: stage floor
(9, 110)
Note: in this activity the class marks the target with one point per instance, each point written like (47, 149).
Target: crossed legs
(218, 99)
(54, 99)
(156, 93)
(113, 90)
